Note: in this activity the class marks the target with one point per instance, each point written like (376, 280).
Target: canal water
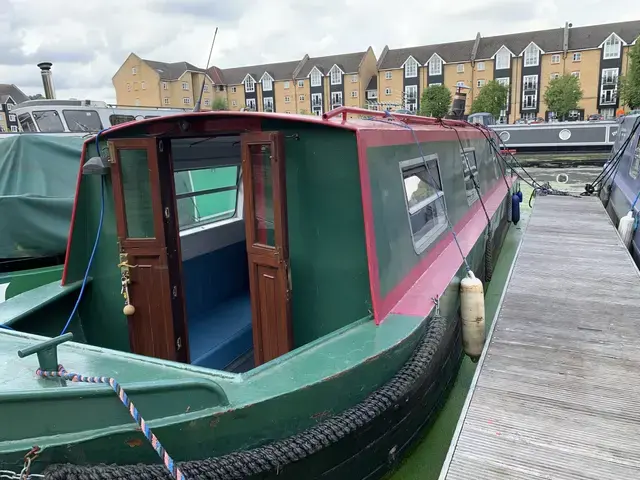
(425, 461)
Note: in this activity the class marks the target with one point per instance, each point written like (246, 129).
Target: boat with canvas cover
(314, 332)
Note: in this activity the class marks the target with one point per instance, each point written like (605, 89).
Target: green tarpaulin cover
(38, 174)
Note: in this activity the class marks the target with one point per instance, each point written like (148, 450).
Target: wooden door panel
(263, 173)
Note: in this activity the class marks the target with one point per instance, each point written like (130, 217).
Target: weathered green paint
(25, 280)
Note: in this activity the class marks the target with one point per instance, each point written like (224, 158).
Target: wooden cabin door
(149, 247)
(263, 173)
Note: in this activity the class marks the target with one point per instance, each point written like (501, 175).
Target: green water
(426, 459)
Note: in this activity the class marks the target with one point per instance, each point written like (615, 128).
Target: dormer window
(249, 84)
(411, 68)
(531, 56)
(336, 75)
(503, 59)
(612, 47)
(316, 77)
(435, 65)
(267, 83)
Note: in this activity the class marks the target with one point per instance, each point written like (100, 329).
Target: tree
(630, 84)
(491, 99)
(219, 104)
(435, 101)
(562, 95)
(37, 96)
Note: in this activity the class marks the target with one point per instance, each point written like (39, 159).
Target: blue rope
(95, 245)
(633, 205)
(424, 160)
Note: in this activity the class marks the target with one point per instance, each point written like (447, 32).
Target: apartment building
(525, 62)
(10, 95)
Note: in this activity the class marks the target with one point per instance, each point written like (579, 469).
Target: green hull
(15, 283)
(198, 413)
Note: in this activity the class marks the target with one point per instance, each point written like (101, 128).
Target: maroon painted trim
(413, 295)
(73, 215)
(432, 133)
(369, 229)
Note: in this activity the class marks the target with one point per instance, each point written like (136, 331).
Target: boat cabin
(228, 239)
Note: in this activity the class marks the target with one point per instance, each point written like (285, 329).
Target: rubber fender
(519, 193)
(515, 208)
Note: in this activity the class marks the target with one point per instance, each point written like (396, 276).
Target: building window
(315, 77)
(14, 129)
(267, 103)
(206, 87)
(336, 99)
(612, 47)
(143, 85)
(354, 78)
(267, 84)
(388, 75)
(134, 70)
(531, 56)
(185, 86)
(530, 82)
(481, 83)
(387, 91)
(12, 117)
(165, 86)
(234, 103)
(166, 100)
(608, 113)
(434, 84)
(577, 56)
(251, 104)
(137, 102)
(529, 100)
(234, 89)
(249, 84)
(460, 84)
(287, 85)
(480, 66)
(336, 76)
(316, 103)
(460, 68)
(610, 76)
(301, 98)
(504, 81)
(410, 68)
(503, 59)
(300, 83)
(128, 87)
(207, 102)
(609, 86)
(553, 76)
(372, 94)
(287, 99)
(575, 74)
(424, 200)
(435, 66)
(287, 111)
(354, 94)
(186, 100)
(411, 98)
(555, 58)
(470, 171)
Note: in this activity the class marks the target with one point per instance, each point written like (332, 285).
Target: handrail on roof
(416, 119)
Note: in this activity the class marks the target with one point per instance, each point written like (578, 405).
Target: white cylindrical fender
(625, 229)
(472, 312)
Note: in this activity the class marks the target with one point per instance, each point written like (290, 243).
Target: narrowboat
(313, 330)
(620, 180)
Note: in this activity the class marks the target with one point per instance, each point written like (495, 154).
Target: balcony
(608, 97)
(530, 86)
(610, 80)
(316, 102)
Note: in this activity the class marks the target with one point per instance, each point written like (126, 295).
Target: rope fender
(274, 456)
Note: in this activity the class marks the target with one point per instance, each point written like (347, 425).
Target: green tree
(219, 104)
(562, 95)
(435, 101)
(630, 84)
(491, 99)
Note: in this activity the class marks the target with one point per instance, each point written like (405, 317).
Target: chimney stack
(47, 80)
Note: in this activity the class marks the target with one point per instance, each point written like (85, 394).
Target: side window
(206, 195)
(115, 119)
(635, 163)
(82, 120)
(48, 121)
(470, 168)
(425, 200)
(26, 122)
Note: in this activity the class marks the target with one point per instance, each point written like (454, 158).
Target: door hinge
(178, 343)
(161, 146)
(174, 291)
(167, 213)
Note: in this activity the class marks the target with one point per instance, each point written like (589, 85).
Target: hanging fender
(515, 208)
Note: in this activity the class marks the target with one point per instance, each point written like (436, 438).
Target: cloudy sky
(87, 40)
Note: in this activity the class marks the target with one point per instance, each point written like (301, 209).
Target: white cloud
(87, 40)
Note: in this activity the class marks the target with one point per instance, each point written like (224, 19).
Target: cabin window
(115, 119)
(635, 164)
(26, 122)
(205, 195)
(470, 171)
(136, 190)
(424, 199)
(82, 120)
(48, 121)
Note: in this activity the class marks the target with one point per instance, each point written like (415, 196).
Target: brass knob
(129, 310)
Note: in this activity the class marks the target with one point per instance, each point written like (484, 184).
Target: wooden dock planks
(557, 395)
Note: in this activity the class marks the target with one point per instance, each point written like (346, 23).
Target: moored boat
(311, 331)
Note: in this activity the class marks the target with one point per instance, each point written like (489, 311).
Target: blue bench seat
(222, 334)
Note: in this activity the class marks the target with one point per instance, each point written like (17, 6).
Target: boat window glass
(82, 120)
(424, 199)
(469, 168)
(136, 190)
(27, 123)
(48, 121)
(635, 163)
(115, 119)
(151, 116)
